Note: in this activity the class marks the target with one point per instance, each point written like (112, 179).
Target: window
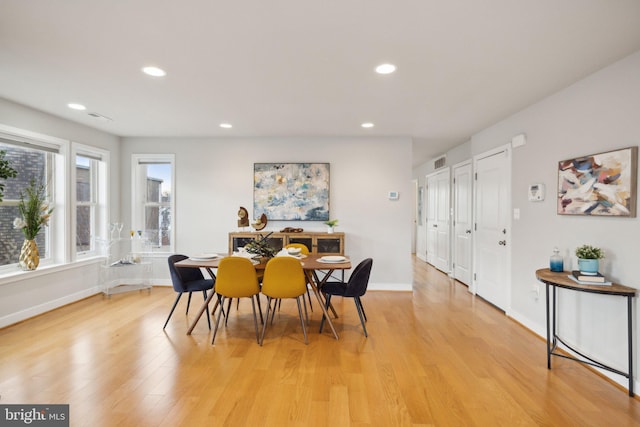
(152, 199)
(36, 162)
(90, 198)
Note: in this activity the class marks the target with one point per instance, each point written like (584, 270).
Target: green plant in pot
(330, 224)
(589, 259)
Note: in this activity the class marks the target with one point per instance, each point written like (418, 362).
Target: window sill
(11, 276)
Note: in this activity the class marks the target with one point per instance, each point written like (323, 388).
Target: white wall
(27, 294)
(214, 177)
(599, 113)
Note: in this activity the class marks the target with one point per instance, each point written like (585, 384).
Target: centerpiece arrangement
(261, 247)
(34, 214)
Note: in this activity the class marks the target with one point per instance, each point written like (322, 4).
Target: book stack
(589, 279)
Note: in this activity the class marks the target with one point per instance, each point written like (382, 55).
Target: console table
(318, 243)
(561, 280)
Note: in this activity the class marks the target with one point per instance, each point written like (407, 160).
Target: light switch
(516, 213)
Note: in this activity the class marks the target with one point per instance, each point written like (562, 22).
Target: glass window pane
(30, 164)
(83, 179)
(159, 183)
(83, 228)
(158, 225)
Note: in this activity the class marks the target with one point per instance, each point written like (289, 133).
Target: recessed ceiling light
(367, 125)
(385, 68)
(75, 106)
(154, 71)
(226, 125)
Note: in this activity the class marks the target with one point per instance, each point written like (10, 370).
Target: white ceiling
(303, 68)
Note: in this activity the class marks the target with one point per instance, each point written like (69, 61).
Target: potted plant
(330, 224)
(34, 214)
(588, 259)
(6, 171)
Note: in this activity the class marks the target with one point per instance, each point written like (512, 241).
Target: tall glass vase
(29, 255)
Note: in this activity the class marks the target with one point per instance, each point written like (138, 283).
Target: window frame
(139, 195)
(56, 177)
(99, 175)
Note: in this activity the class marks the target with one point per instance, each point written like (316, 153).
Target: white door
(438, 215)
(462, 222)
(431, 223)
(421, 228)
(491, 239)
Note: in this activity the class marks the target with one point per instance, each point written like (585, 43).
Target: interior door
(491, 239)
(462, 222)
(421, 228)
(431, 222)
(438, 220)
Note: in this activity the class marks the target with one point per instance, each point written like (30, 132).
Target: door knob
(502, 242)
(468, 231)
(435, 225)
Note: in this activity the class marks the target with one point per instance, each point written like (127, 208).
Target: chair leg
(226, 320)
(264, 325)
(327, 302)
(204, 294)
(304, 330)
(255, 319)
(360, 312)
(273, 312)
(172, 308)
(260, 308)
(215, 306)
(306, 314)
(215, 331)
(188, 303)
(362, 307)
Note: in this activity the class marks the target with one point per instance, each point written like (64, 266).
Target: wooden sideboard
(318, 243)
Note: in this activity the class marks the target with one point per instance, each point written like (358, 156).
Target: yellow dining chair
(304, 250)
(283, 278)
(236, 278)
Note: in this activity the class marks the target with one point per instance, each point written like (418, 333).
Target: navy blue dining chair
(187, 279)
(354, 288)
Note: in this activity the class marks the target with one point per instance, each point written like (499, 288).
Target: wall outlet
(535, 290)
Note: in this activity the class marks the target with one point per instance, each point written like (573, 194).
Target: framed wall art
(291, 191)
(601, 184)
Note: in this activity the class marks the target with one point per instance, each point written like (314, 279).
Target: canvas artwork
(601, 184)
(291, 191)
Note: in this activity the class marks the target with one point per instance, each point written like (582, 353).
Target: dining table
(317, 269)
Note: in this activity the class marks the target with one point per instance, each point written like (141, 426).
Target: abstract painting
(291, 191)
(601, 184)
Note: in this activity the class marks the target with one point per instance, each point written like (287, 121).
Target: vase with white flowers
(34, 214)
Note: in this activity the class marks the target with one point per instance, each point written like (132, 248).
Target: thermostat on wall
(536, 192)
(393, 195)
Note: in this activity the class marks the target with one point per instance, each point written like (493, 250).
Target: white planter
(329, 230)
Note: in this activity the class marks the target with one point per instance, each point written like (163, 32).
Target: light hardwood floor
(437, 356)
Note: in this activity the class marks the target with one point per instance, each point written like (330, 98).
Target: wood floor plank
(436, 356)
